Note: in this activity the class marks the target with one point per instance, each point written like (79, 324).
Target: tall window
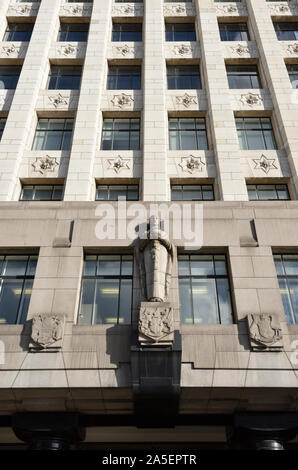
(112, 192)
(41, 192)
(65, 77)
(286, 31)
(233, 32)
(53, 134)
(287, 273)
(255, 133)
(293, 74)
(123, 77)
(180, 32)
(268, 192)
(121, 134)
(127, 32)
(2, 125)
(183, 77)
(9, 76)
(16, 281)
(243, 76)
(188, 134)
(18, 32)
(73, 32)
(106, 293)
(204, 289)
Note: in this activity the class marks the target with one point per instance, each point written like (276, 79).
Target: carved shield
(47, 329)
(264, 329)
(156, 322)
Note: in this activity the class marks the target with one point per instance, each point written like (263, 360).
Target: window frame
(96, 277)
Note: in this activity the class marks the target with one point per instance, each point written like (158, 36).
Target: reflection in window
(106, 292)
(180, 32)
(16, 281)
(121, 134)
(41, 192)
(18, 32)
(9, 77)
(255, 133)
(192, 192)
(188, 134)
(131, 32)
(64, 77)
(204, 289)
(233, 32)
(183, 77)
(287, 272)
(268, 192)
(73, 32)
(112, 192)
(53, 134)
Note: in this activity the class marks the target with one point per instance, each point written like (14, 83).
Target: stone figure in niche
(154, 255)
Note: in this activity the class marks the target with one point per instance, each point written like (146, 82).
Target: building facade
(186, 110)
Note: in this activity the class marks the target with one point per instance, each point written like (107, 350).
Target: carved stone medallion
(122, 101)
(118, 164)
(264, 331)
(265, 164)
(156, 323)
(191, 164)
(45, 164)
(47, 331)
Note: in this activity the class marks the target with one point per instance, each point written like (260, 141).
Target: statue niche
(154, 256)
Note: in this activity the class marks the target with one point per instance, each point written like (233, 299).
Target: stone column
(155, 134)
(272, 55)
(19, 121)
(221, 117)
(86, 138)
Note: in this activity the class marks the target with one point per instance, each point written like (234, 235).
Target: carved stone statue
(154, 256)
(264, 331)
(155, 259)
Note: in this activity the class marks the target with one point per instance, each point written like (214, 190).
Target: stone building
(132, 341)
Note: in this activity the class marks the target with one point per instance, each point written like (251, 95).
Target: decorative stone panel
(47, 332)
(58, 100)
(191, 164)
(128, 10)
(23, 9)
(13, 50)
(265, 332)
(122, 100)
(265, 164)
(68, 50)
(241, 49)
(129, 50)
(179, 9)
(251, 99)
(156, 323)
(179, 100)
(231, 9)
(121, 164)
(185, 50)
(282, 8)
(76, 9)
(44, 164)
